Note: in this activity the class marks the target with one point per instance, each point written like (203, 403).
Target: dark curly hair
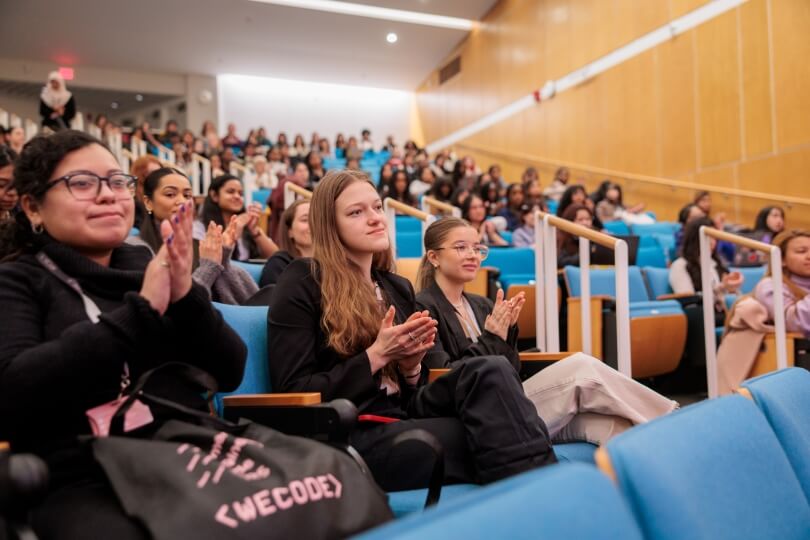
(32, 171)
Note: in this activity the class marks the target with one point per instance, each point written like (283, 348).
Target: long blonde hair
(435, 234)
(782, 240)
(350, 313)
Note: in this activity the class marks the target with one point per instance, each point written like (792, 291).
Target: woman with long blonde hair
(795, 248)
(344, 325)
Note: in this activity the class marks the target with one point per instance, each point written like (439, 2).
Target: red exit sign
(66, 73)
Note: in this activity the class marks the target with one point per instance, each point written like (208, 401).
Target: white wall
(303, 107)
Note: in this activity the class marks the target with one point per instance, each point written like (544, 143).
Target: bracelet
(413, 375)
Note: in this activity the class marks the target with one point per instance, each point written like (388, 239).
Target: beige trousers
(582, 399)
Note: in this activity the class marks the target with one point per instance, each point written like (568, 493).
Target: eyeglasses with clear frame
(474, 249)
(86, 186)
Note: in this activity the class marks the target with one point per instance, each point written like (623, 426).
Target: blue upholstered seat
(712, 470)
(254, 269)
(784, 398)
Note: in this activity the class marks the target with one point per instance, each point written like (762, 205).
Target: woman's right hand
(732, 281)
(499, 321)
(156, 287)
(402, 341)
(211, 245)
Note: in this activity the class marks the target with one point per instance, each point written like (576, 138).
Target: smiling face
(229, 197)
(299, 230)
(8, 195)
(457, 259)
(584, 218)
(797, 256)
(89, 226)
(361, 223)
(775, 220)
(173, 190)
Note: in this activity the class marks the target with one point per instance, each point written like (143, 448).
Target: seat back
(784, 398)
(652, 255)
(409, 244)
(250, 323)
(567, 501)
(511, 260)
(712, 470)
(752, 275)
(255, 270)
(657, 281)
(408, 224)
(603, 281)
(617, 227)
(408, 268)
(661, 227)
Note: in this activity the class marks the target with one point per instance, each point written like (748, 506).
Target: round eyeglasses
(473, 249)
(85, 186)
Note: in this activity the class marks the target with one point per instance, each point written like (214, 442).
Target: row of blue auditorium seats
(250, 322)
(724, 468)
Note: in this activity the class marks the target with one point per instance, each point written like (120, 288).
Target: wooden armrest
(675, 296)
(272, 400)
(435, 373)
(543, 356)
(601, 297)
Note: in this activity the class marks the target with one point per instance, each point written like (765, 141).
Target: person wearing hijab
(56, 104)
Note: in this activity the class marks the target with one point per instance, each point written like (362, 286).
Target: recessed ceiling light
(391, 37)
(114, 105)
(376, 12)
(138, 97)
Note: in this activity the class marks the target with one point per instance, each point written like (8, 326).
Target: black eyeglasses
(85, 186)
(462, 249)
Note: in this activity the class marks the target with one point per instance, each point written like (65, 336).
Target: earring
(436, 266)
(37, 228)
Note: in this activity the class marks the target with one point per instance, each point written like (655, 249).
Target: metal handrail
(548, 331)
(197, 173)
(708, 298)
(430, 202)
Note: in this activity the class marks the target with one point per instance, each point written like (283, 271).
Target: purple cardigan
(797, 312)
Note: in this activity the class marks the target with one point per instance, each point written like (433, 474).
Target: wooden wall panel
(722, 105)
(790, 29)
(756, 78)
(718, 90)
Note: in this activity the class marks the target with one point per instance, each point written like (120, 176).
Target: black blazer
(301, 361)
(451, 337)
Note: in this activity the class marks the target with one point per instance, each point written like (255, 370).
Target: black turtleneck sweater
(55, 364)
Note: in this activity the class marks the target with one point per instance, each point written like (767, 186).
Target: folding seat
(515, 265)
(661, 227)
(617, 227)
(651, 255)
(711, 470)
(334, 163)
(260, 196)
(657, 328)
(784, 398)
(570, 501)
(254, 269)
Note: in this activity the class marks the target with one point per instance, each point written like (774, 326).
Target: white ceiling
(234, 36)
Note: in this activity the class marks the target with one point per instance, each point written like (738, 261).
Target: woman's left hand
(254, 212)
(423, 342)
(516, 302)
(176, 233)
(211, 245)
(499, 321)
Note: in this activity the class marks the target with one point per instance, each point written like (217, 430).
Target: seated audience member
(474, 211)
(352, 150)
(164, 192)
(423, 183)
(795, 248)
(262, 176)
(496, 174)
(703, 200)
(581, 398)
(533, 194)
(442, 190)
(231, 139)
(299, 177)
(81, 310)
(530, 175)
(597, 196)
(295, 241)
(315, 166)
(555, 191)
(323, 148)
(8, 195)
(572, 195)
(438, 165)
(523, 236)
(344, 325)
(16, 139)
(612, 208)
(386, 175)
(512, 211)
(491, 195)
(769, 223)
(140, 169)
(340, 145)
(57, 105)
(366, 144)
(276, 165)
(567, 243)
(685, 273)
(217, 166)
(225, 203)
(398, 188)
